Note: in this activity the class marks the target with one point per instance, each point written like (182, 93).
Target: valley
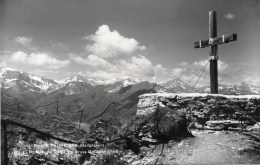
(127, 122)
(79, 93)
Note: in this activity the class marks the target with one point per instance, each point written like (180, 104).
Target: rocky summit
(185, 128)
(199, 102)
(206, 110)
(168, 128)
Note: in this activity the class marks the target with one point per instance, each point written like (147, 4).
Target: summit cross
(213, 42)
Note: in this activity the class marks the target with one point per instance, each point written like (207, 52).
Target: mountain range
(92, 96)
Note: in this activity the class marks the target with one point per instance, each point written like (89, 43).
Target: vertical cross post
(213, 43)
(4, 156)
(213, 53)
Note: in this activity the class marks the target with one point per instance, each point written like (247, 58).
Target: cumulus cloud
(161, 74)
(92, 60)
(37, 59)
(201, 63)
(142, 68)
(111, 55)
(178, 71)
(137, 65)
(222, 65)
(229, 16)
(25, 41)
(107, 43)
(184, 71)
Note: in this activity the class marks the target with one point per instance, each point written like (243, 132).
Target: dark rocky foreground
(108, 141)
(167, 129)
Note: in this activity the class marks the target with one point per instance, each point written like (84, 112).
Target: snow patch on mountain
(11, 77)
(70, 79)
(115, 87)
(129, 81)
(176, 85)
(91, 81)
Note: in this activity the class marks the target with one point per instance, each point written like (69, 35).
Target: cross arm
(215, 41)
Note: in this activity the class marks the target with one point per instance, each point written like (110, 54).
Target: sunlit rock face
(203, 107)
(196, 101)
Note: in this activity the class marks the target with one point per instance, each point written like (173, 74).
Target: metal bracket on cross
(223, 39)
(213, 57)
(211, 41)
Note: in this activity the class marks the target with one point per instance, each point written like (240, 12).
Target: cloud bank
(37, 59)
(108, 55)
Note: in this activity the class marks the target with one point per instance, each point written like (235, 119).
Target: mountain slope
(11, 78)
(177, 86)
(23, 86)
(77, 93)
(94, 100)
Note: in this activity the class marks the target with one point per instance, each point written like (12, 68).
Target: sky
(117, 39)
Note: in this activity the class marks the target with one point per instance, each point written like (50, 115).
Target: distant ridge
(78, 92)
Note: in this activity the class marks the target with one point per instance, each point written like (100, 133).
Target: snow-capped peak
(11, 77)
(79, 78)
(95, 82)
(7, 69)
(175, 83)
(129, 81)
(76, 78)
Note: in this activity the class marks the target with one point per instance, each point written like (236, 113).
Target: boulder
(164, 124)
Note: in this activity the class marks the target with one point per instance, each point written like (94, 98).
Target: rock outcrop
(163, 124)
(202, 109)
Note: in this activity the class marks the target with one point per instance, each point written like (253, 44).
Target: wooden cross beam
(217, 41)
(213, 42)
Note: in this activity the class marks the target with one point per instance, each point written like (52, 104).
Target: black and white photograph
(130, 82)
